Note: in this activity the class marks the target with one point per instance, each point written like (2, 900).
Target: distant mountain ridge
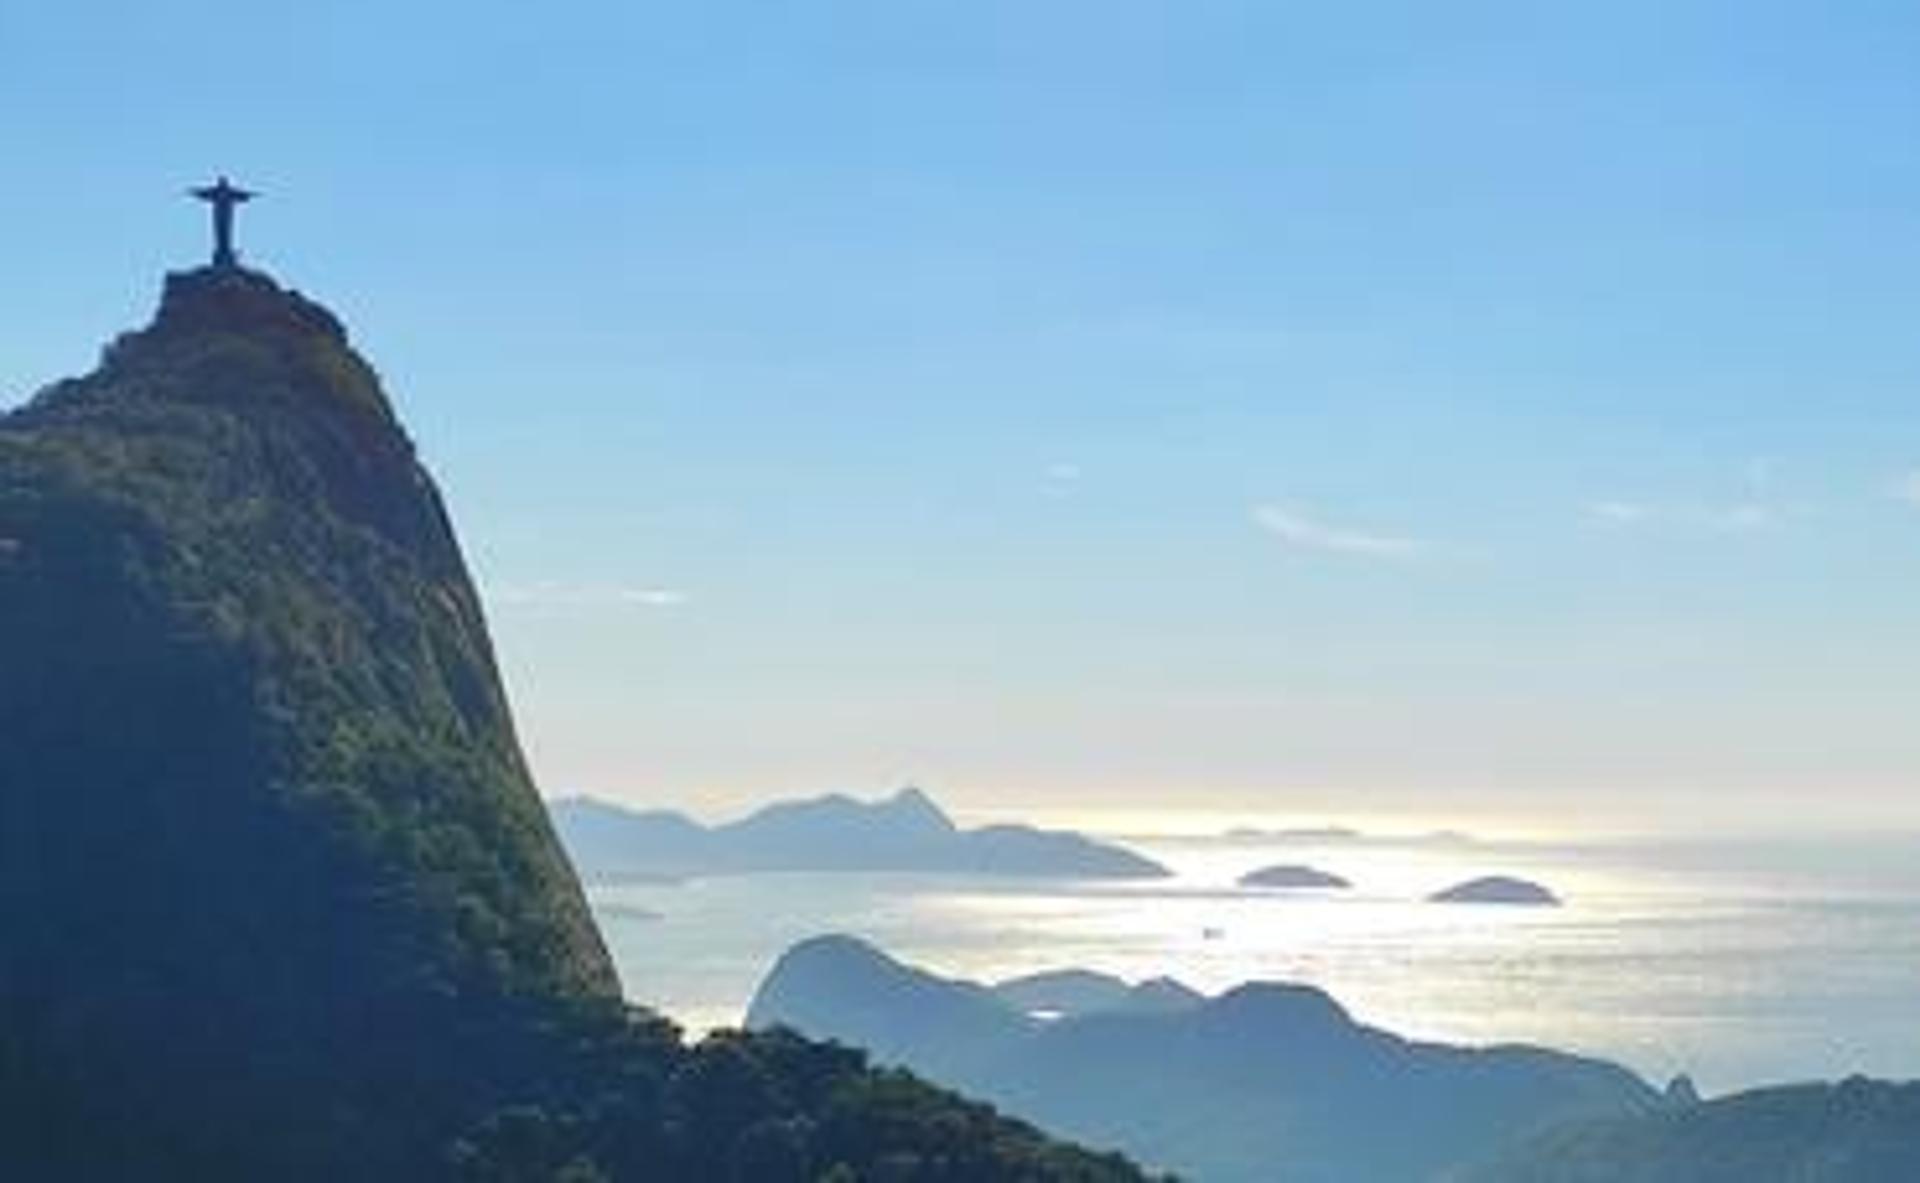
(905, 832)
(1067, 992)
(1267, 1081)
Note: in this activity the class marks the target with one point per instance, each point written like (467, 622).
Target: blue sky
(1481, 411)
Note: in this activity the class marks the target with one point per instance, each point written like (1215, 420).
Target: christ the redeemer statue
(223, 197)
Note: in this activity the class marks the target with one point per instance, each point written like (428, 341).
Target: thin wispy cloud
(1619, 513)
(1305, 531)
(560, 595)
(1742, 517)
(1061, 477)
(1907, 488)
(1737, 519)
(1758, 508)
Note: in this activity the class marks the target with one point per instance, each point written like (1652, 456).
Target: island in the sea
(1498, 889)
(904, 832)
(1294, 876)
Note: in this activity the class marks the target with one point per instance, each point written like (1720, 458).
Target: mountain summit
(277, 898)
(261, 803)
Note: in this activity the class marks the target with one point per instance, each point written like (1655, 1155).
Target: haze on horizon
(1488, 412)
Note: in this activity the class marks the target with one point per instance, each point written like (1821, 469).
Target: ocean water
(1739, 963)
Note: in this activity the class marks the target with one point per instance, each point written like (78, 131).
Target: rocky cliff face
(262, 810)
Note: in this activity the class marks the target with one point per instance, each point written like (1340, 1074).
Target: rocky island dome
(1498, 889)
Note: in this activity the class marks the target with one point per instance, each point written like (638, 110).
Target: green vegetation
(768, 1108)
(277, 897)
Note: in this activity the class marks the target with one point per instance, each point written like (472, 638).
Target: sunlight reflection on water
(1722, 965)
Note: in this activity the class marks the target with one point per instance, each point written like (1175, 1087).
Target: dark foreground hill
(905, 832)
(1859, 1131)
(1266, 1082)
(277, 899)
